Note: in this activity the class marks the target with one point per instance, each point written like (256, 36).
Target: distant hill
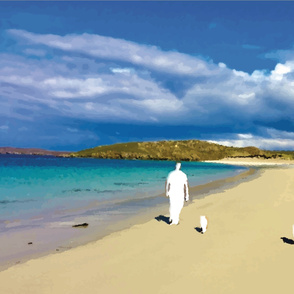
(31, 151)
(186, 150)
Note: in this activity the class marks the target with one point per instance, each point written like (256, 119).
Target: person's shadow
(288, 241)
(199, 230)
(162, 218)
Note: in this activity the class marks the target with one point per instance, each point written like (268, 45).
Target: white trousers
(175, 206)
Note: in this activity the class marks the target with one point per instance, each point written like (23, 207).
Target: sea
(47, 192)
(43, 186)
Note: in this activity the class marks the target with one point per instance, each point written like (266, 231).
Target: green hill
(186, 150)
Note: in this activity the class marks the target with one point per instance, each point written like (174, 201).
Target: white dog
(203, 223)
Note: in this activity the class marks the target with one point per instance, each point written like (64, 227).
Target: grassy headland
(186, 150)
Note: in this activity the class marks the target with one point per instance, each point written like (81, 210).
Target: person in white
(177, 190)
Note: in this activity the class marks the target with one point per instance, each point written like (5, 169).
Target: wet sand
(241, 252)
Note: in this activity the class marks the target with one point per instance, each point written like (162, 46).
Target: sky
(75, 75)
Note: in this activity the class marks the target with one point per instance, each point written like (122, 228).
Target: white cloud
(280, 70)
(71, 88)
(89, 106)
(247, 96)
(119, 49)
(4, 127)
(121, 70)
(35, 52)
(281, 55)
(245, 136)
(161, 106)
(118, 80)
(259, 142)
(278, 140)
(222, 65)
(278, 134)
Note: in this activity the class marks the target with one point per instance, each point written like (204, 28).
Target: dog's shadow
(162, 218)
(198, 229)
(288, 241)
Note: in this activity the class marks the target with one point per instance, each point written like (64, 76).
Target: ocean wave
(130, 184)
(89, 190)
(15, 201)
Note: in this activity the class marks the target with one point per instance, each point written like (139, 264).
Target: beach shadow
(288, 241)
(162, 218)
(199, 230)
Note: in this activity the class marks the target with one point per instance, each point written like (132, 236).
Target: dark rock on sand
(84, 225)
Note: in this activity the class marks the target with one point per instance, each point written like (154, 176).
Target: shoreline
(246, 249)
(77, 237)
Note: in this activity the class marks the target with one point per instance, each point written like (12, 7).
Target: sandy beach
(254, 162)
(241, 252)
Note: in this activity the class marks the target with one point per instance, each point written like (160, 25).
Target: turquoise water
(44, 186)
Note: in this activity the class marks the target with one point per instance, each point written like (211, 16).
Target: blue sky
(75, 75)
